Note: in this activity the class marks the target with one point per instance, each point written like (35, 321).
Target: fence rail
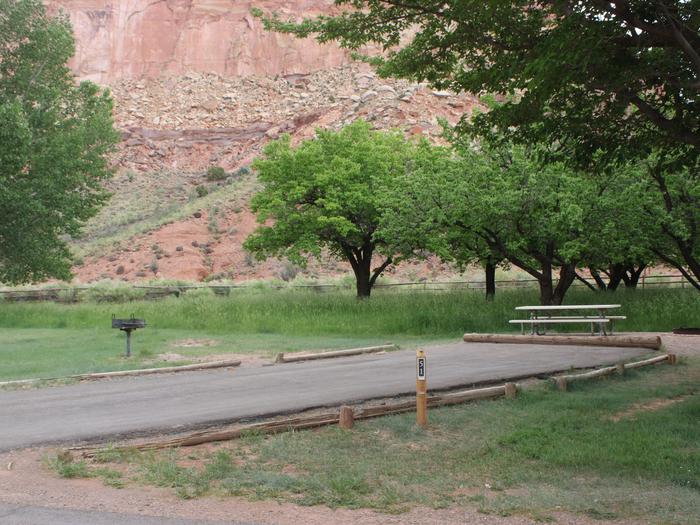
(77, 293)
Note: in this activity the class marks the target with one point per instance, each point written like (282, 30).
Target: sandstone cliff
(134, 39)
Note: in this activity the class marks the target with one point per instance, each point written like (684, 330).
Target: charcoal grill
(127, 326)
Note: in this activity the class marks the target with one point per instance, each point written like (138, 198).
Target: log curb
(137, 372)
(562, 381)
(507, 390)
(296, 358)
(317, 420)
(627, 341)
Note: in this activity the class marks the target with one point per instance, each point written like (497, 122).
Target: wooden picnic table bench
(542, 316)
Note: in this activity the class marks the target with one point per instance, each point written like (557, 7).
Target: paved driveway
(147, 404)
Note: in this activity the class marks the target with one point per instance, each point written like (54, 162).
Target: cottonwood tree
(325, 194)
(590, 77)
(54, 140)
(589, 74)
(419, 214)
(672, 207)
(543, 218)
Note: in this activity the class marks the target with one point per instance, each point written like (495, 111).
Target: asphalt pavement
(112, 408)
(27, 515)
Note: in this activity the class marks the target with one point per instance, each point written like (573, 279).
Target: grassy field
(52, 340)
(59, 352)
(614, 448)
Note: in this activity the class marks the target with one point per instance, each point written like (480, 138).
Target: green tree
(326, 194)
(418, 215)
(54, 140)
(504, 204)
(672, 207)
(589, 74)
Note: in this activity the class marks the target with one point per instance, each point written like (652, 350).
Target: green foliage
(671, 207)
(54, 141)
(324, 195)
(602, 84)
(64, 465)
(242, 171)
(504, 204)
(216, 173)
(585, 75)
(201, 191)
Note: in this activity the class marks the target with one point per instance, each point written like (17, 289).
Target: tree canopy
(503, 204)
(327, 194)
(54, 140)
(620, 76)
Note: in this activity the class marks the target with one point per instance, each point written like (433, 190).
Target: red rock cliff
(118, 39)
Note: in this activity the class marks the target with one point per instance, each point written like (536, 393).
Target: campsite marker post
(421, 390)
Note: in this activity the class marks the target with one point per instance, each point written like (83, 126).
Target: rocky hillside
(118, 39)
(198, 83)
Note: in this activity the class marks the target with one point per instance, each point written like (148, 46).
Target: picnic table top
(571, 307)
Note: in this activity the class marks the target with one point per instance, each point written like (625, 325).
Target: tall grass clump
(310, 313)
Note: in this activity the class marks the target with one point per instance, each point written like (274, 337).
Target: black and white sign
(421, 368)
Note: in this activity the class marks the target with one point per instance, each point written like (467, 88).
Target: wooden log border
(508, 390)
(626, 341)
(312, 421)
(295, 357)
(137, 372)
(562, 381)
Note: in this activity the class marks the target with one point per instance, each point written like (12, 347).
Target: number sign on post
(421, 390)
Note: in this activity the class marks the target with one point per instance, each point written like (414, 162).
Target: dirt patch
(169, 357)
(194, 343)
(651, 406)
(245, 359)
(685, 345)
(30, 483)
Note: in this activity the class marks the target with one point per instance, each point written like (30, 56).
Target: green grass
(53, 340)
(43, 353)
(308, 313)
(539, 454)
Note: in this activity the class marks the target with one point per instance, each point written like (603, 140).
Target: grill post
(127, 326)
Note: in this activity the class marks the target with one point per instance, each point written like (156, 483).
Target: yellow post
(421, 390)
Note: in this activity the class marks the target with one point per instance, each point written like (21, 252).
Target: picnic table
(539, 317)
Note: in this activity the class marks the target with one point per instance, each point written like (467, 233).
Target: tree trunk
(362, 270)
(490, 271)
(546, 286)
(617, 274)
(567, 274)
(361, 261)
(598, 279)
(634, 275)
(364, 289)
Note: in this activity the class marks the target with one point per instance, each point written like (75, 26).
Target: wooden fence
(72, 294)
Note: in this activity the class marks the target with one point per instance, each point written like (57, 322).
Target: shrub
(215, 173)
(202, 191)
(241, 172)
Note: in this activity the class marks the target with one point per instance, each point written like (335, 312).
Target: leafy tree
(588, 74)
(326, 194)
(672, 207)
(504, 204)
(419, 216)
(54, 138)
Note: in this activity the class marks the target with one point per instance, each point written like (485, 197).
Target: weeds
(308, 313)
